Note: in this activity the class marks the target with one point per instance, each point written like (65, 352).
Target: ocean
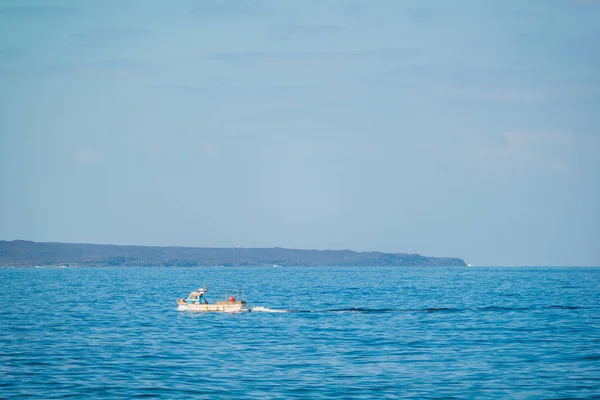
(314, 332)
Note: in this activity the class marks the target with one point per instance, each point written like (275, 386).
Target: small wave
(391, 310)
(362, 310)
(591, 357)
(441, 309)
(500, 308)
(266, 309)
(566, 307)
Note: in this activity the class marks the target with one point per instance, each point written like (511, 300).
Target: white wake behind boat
(196, 301)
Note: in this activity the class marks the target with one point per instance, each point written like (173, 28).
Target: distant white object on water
(197, 301)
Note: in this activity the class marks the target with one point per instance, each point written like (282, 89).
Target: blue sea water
(351, 332)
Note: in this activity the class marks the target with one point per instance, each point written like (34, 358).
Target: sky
(468, 128)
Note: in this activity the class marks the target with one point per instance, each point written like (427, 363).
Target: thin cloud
(522, 151)
(287, 32)
(105, 67)
(228, 91)
(386, 54)
(107, 35)
(86, 156)
(498, 84)
(37, 11)
(585, 2)
(10, 52)
(233, 9)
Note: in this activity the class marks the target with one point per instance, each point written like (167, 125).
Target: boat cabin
(197, 297)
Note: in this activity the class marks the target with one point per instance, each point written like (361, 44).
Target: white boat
(196, 301)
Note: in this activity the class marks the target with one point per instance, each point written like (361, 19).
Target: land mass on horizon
(28, 253)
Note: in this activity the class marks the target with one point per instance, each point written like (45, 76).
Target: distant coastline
(23, 253)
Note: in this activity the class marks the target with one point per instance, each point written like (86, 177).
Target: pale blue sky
(463, 128)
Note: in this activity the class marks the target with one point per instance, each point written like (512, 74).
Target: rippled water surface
(353, 332)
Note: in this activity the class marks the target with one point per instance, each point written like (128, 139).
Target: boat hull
(236, 306)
